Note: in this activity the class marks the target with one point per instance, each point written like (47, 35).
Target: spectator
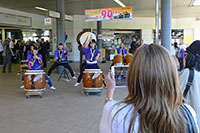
(26, 49)
(7, 53)
(23, 49)
(180, 54)
(172, 50)
(1, 52)
(11, 44)
(134, 46)
(154, 101)
(192, 96)
(43, 52)
(18, 49)
(48, 48)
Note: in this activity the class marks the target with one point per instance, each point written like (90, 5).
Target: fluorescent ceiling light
(40, 8)
(120, 3)
(195, 3)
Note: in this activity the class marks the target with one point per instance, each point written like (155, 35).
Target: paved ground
(65, 110)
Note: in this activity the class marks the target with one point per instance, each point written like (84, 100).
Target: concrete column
(157, 22)
(60, 23)
(166, 23)
(3, 34)
(99, 32)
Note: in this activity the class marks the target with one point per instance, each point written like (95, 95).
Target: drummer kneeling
(34, 63)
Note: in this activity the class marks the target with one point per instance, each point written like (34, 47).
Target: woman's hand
(110, 84)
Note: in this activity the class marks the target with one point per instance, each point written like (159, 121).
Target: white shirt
(118, 122)
(173, 51)
(106, 125)
(193, 96)
(11, 44)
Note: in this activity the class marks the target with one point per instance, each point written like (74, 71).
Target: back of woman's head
(154, 91)
(193, 56)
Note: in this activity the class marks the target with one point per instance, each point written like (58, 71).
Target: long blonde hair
(154, 92)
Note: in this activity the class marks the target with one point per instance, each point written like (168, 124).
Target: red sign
(47, 21)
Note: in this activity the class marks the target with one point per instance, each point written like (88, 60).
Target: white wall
(147, 36)
(196, 34)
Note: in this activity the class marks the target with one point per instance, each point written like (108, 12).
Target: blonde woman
(154, 101)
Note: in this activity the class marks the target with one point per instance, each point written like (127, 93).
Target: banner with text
(108, 14)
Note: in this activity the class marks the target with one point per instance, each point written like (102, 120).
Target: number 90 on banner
(107, 14)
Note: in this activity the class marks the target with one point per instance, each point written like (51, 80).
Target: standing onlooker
(190, 77)
(48, 49)
(7, 53)
(134, 46)
(172, 50)
(26, 48)
(23, 49)
(12, 46)
(18, 51)
(180, 54)
(1, 52)
(43, 52)
(183, 49)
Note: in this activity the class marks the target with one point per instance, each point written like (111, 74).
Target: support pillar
(60, 23)
(157, 22)
(166, 23)
(99, 32)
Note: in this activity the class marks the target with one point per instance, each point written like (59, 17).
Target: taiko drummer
(122, 50)
(92, 55)
(34, 63)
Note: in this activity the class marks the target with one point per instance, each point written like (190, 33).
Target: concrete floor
(65, 110)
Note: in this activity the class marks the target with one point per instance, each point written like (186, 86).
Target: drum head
(86, 35)
(78, 37)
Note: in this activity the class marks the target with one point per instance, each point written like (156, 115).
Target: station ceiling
(141, 8)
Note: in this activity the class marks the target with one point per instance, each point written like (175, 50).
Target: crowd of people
(13, 51)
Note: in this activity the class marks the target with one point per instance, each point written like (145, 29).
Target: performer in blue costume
(122, 50)
(59, 56)
(34, 63)
(92, 54)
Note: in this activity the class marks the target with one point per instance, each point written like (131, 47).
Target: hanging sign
(15, 20)
(47, 21)
(107, 14)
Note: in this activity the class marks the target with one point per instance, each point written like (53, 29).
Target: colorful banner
(108, 14)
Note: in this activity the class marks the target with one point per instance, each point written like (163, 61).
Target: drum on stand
(128, 58)
(92, 80)
(34, 82)
(118, 60)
